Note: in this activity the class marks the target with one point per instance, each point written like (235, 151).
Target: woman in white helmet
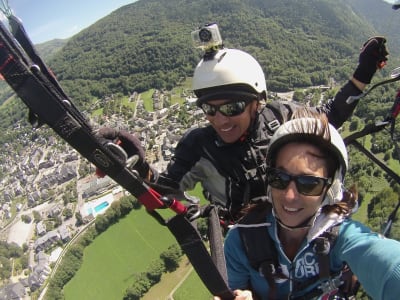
(308, 229)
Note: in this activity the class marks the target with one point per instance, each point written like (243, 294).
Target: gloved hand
(373, 56)
(130, 144)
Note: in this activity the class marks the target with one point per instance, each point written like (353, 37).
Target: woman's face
(293, 208)
(231, 129)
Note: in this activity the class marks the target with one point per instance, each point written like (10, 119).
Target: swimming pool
(101, 206)
(96, 207)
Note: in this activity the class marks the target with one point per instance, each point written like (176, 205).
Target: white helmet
(310, 130)
(230, 74)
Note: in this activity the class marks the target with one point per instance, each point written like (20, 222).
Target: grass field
(182, 284)
(123, 250)
(192, 288)
(127, 248)
(147, 99)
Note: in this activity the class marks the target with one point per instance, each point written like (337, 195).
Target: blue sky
(45, 20)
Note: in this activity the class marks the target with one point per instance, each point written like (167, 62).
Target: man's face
(230, 128)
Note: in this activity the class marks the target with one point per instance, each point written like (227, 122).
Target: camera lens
(205, 35)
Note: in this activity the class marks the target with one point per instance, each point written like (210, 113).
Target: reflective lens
(229, 109)
(305, 184)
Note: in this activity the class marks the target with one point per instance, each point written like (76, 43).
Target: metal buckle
(330, 286)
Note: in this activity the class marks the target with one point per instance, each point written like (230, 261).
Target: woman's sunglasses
(229, 109)
(305, 184)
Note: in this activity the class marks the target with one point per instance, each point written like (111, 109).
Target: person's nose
(291, 191)
(220, 118)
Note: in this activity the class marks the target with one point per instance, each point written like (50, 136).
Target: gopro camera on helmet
(207, 37)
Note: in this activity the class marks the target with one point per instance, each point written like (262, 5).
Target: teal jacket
(375, 260)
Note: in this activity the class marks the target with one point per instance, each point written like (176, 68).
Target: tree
(136, 204)
(154, 271)
(36, 216)
(5, 270)
(171, 257)
(79, 219)
(126, 204)
(141, 284)
(101, 223)
(24, 261)
(354, 124)
(26, 219)
(68, 213)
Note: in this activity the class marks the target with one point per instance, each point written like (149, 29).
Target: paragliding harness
(34, 83)
(263, 257)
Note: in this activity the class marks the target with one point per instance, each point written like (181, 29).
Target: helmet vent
(221, 57)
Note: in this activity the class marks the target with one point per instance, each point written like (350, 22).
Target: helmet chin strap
(303, 225)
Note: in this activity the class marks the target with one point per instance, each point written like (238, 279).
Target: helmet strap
(305, 224)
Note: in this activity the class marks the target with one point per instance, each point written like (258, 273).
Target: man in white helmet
(228, 156)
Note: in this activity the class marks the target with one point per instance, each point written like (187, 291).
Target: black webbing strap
(216, 242)
(49, 104)
(259, 246)
(191, 243)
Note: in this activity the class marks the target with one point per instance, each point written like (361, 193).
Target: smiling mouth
(291, 209)
(226, 129)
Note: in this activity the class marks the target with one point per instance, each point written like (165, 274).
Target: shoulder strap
(276, 113)
(259, 246)
(322, 247)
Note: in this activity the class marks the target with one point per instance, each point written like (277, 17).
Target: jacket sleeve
(374, 259)
(185, 157)
(337, 110)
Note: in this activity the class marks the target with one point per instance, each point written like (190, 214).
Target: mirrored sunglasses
(229, 109)
(305, 184)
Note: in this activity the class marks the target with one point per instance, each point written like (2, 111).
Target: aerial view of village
(50, 194)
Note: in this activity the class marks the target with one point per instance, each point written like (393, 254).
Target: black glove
(130, 144)
(373, 56)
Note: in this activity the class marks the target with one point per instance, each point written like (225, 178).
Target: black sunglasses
(305, 184)
(229, 109)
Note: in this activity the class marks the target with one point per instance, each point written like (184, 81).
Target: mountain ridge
(147, 44)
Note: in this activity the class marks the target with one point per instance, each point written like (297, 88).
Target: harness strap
(216, 242)
(192, 244)
(262, 255)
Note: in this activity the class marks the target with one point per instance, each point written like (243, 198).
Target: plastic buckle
(273, 125)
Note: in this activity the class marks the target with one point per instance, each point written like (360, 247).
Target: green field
(193, 289)
(123, 250)
(127, 248)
